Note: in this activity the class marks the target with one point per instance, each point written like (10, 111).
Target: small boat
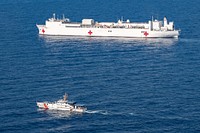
(62, 104)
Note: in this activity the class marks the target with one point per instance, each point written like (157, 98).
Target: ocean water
(128, 85)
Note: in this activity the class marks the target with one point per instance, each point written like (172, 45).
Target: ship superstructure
(88, 27)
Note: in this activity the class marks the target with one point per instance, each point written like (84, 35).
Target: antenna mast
(54, 16)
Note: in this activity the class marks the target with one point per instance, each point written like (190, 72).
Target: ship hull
(106, 32)
(58, 106)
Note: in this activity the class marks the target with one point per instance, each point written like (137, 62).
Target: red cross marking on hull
(146, 33)
(90, 32)
(45, 106)
(43, 31)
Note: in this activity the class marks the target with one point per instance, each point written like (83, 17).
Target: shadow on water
(59, 40)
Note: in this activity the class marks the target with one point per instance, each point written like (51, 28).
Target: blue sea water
(128, 85)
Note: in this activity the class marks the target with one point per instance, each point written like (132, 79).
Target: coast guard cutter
(62, 104)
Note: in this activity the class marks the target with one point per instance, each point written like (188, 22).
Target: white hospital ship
(88, 27)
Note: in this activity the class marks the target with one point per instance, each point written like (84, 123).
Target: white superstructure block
(171, 26)
(157, 25)
(88, 22)
(53, 24)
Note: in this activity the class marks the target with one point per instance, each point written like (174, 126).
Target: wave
(191, 40)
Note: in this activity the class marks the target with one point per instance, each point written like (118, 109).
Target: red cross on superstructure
(146, 33)
(90, 32)
(43, 31)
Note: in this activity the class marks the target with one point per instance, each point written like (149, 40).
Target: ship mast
(63, 16)
(54, 16)
(65, 97)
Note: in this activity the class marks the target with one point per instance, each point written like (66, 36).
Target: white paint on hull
(122, 29)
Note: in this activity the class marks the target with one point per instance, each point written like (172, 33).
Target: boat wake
(110, 113)
(103, 112)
